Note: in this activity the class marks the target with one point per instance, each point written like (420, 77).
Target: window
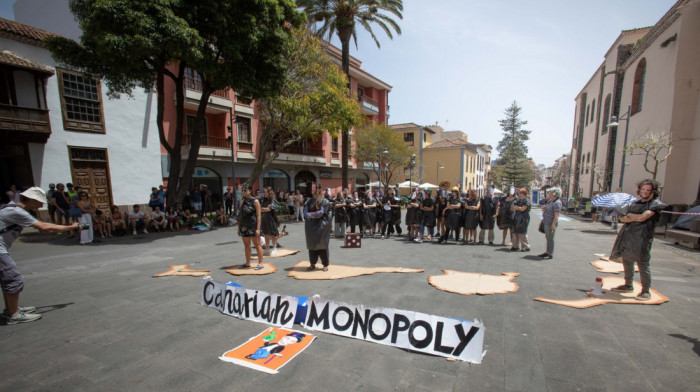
(588, 110)
(334, 144)
(593, 111)
(81, 102)
(243, 126)
(588, 162)
(408, 138)
(638, 89)
(360, 92)
(606, 115)
(425, 138)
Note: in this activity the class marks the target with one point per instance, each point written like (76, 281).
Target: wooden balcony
(22, 124)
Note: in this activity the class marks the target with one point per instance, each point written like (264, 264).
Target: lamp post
(613, 123)
(411, 165)
(385, 168)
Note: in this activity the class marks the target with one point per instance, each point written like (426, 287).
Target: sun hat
(454, 188)
(35, 193)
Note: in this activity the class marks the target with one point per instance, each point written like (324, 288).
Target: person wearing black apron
(427, 211)
(452, 216)
(505, 215)
(487, 216)
(369, 214)
(340, 214)
(471, 217)
(269, 208)
(521, 206)
(390, 203)
(317, 227)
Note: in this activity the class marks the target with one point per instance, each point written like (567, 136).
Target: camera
(85, 226)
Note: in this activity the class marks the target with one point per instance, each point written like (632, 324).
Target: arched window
(606, 115)
(638, 89)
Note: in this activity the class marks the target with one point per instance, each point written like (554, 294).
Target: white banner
(255, 305)
(435, 335)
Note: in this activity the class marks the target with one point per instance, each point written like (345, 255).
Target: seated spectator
(138, 219)
(158, 221)
(102, 226)
(172, 218)
(117, 220)
(184, 215)
(61, 201)
(221, 218)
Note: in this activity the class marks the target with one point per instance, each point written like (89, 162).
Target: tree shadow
(696, 342)
(127, 239)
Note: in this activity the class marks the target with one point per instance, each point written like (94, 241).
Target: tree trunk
(344, 34)
(195, 141)
(174, 184)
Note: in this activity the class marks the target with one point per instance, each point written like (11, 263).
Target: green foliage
(341, 17)
(138, 43)
(372, 140)
(516, 169)
(312, 100)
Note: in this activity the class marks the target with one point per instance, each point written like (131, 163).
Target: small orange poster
(270, 350)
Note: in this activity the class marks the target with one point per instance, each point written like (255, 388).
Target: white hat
(35, 193)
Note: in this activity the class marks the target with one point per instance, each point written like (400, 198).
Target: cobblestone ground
(109, 326)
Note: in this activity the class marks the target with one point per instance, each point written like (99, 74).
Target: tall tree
(384, 147)
(342, 17)
(656, 148)
(512, 150)
(138, 43)
(312, 100)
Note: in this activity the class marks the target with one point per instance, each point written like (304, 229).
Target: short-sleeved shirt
(157, 215)
(195, 196)
(15, 218)
(61, 200)
(136, 215)
(550, 209)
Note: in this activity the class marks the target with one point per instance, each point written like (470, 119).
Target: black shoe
(623, 289)
(543, 254)
(525, 250)
(441, 239)
(480, 243)
(547, 257)
(491, 243)
(514, 249)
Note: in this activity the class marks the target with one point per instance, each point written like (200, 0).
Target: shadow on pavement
(127, 239)
(696, 342)
(41, 310)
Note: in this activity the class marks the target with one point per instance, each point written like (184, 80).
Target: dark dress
(505, 215)
(440, 206)
(248, 220)
(354, 213)
(268, 224)
(488, 210)
(453, 217)
(471, 217)
(340, 213)
(317, 230)
(390, 214)
(522, 218)
(369, 215)
(633, 242)
(413, 213)
(428, 217)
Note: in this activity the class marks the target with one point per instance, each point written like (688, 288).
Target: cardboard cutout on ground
(182, 270)
(610, 267)
(336, 271)
(238, 270)
(610, 296)
(269, 350)
(280, 253)
(468, 283)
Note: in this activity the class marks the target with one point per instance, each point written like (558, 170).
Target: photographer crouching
(13, 218)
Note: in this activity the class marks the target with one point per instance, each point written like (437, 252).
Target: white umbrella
(375, 184)
(496, 190)
(407, 184)
(427, 185)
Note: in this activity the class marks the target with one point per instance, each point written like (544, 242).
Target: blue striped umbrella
(613, 200)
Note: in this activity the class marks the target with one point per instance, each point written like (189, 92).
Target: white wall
(131, 138)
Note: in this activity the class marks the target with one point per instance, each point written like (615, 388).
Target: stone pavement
(109, 326)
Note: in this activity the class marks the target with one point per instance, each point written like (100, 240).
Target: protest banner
(269, 350)
(442, 336)
(256, 305)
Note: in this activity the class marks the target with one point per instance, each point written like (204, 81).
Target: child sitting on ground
(102, 227)
(221, 217)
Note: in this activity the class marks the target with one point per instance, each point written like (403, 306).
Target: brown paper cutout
(610, 296)
(610, 267)
(182, 270)
(336, 271)
(280, 253)
(238, 270)
(468, 283)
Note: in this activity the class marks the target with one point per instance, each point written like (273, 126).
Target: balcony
(302, 154)
(210, 148)
(24, 124)
(368, 105)
(219, 101)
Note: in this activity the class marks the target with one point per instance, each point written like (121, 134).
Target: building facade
(58, 125)
(648, 81)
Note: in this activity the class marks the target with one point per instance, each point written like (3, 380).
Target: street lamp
(613, 123)
(411, 165)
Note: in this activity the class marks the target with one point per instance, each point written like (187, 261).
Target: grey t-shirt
(16, 217)
(549, 210)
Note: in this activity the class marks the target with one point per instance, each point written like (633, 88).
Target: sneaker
(418, 240)
(644, 296)
(22, 309)
(22, 317)
(145, 231)
(273, 252)
(623, 289)
(382, 237)
(134, 232)
(547, 257)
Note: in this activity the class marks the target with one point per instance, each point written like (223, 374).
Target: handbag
(541, 228)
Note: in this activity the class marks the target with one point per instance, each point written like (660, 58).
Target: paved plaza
(109, 326)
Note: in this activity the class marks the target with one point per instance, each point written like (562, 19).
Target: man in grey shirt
(13, 218)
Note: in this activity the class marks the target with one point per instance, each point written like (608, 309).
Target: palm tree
(341, 17)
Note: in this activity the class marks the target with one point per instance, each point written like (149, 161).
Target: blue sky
(462, 62)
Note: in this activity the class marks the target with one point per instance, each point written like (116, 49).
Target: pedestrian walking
(550, 219)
